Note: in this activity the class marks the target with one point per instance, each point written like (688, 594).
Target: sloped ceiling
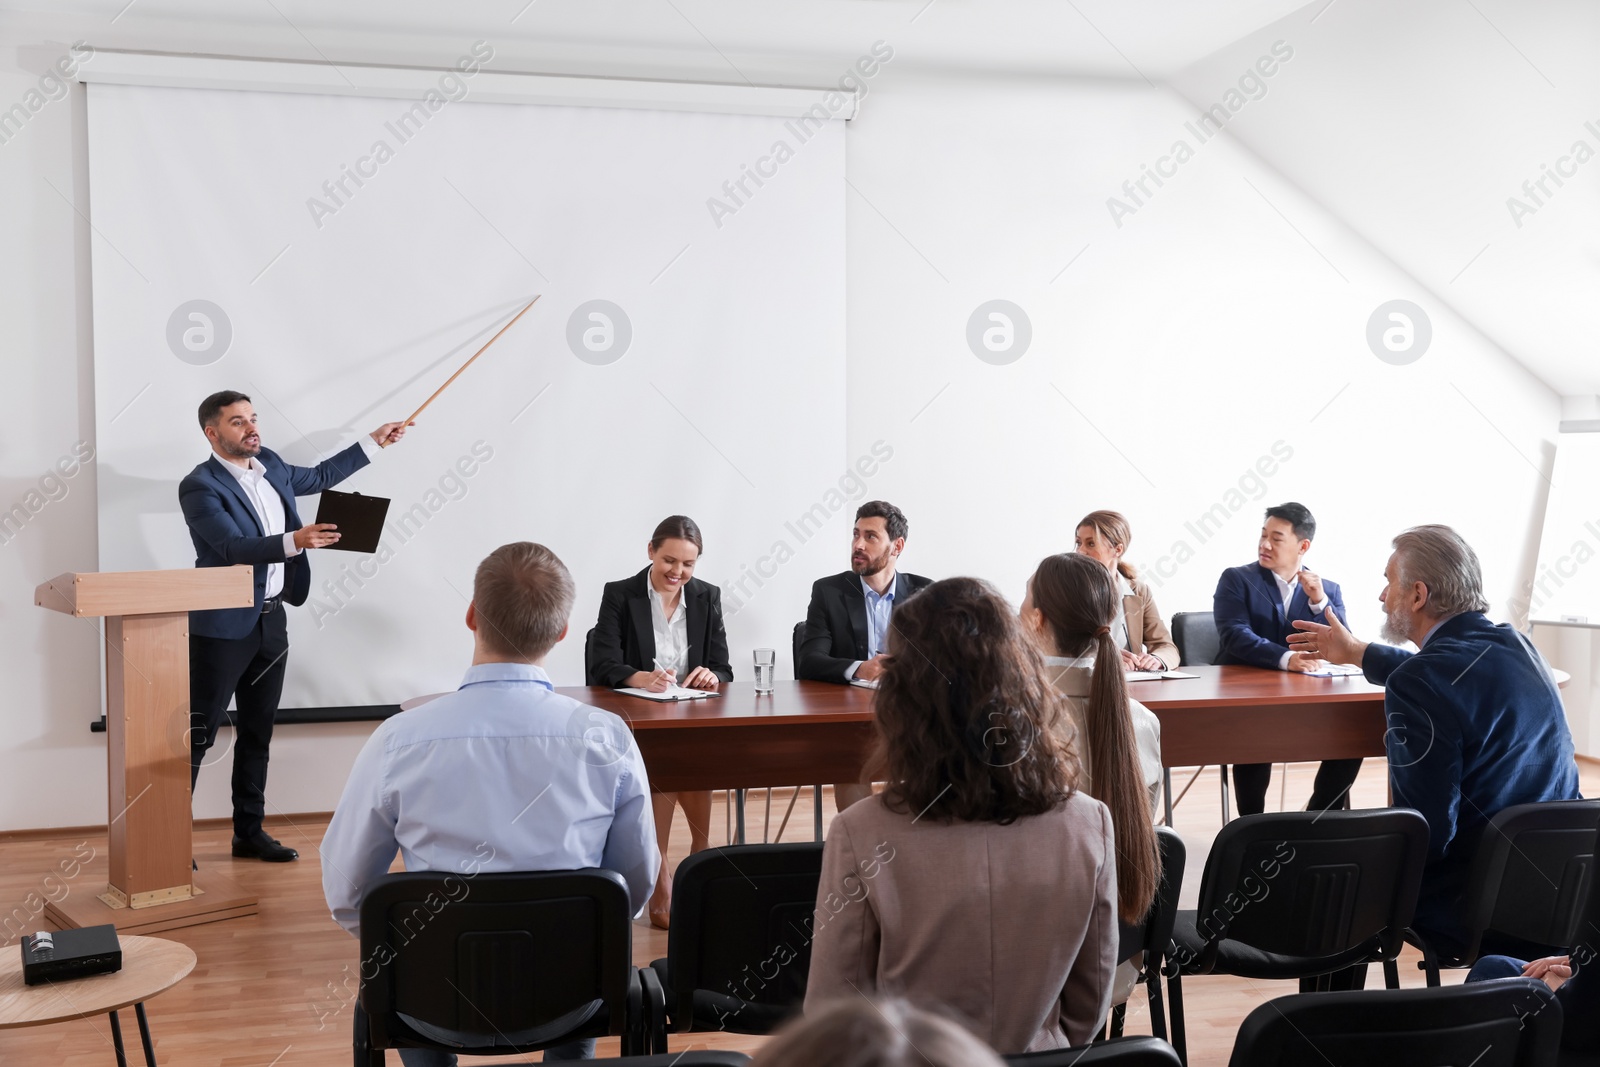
(1418, 125)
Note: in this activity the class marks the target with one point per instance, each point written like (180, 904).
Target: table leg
(1166, 791)
(738, 829)
(116, 1041)
(816, 815)
(1222, 770)
(144, 1035)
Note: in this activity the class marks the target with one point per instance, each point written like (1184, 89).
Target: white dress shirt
(672, 635)
(501, 775)
(1286, 593)
(268, 505)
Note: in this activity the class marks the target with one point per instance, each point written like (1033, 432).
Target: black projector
(64, 954)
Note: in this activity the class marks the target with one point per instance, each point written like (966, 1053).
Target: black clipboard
(359, 519)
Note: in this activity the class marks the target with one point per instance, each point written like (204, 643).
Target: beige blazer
(1073, 678)
(1013, 928)
(1146, 631)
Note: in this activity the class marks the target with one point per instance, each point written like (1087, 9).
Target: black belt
(271, 604)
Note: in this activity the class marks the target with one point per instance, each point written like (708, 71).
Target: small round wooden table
(150, 965)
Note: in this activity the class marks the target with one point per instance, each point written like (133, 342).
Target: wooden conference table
(810, 732)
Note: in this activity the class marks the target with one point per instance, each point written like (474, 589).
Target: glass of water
(766, 669)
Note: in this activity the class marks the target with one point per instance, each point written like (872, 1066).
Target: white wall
(1190, 340)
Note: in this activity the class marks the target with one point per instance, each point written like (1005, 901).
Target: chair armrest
(654, 1022)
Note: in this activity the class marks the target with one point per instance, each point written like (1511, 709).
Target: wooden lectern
(149, 883)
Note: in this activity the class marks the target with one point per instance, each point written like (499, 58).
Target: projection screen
(336, 257)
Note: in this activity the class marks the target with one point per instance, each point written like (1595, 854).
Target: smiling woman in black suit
(660, 628)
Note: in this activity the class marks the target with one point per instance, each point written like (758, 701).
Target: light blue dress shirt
(879, 608)
(501, 775)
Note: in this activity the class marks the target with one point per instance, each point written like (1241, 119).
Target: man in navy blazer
(1475, 719)
(1254, 607)
(847, 622)
(240, 508)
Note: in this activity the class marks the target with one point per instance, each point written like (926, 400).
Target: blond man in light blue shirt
(502, 775)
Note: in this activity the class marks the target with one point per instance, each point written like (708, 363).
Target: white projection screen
(726, 403)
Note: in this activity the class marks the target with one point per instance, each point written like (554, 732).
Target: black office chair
(496, 964)
(1195, 634)
(739, 947)
(1301, 894)
(588, 658)
(1118, 1052)
(799, 638)
(1528, 886)
(1154, 935)
(1511, 1023)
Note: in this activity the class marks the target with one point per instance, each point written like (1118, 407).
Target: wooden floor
(274, 990)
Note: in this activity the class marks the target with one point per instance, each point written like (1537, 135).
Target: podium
(148, 882)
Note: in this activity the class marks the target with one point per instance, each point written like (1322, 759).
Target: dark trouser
(248, 670)
(1332, 791)
(1489, 968)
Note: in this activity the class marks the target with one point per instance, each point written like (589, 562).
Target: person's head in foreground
(858, 1032)
(966, 721)
(1068, 610)
(521, 598)
(1433, 575)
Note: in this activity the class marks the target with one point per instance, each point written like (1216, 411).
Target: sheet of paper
(865, 683)
(1335, 670)
(677, 692)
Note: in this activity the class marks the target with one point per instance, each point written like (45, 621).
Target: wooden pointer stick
(468, 363)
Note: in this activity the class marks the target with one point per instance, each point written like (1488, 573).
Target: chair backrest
(1511, 1023)
(497, 962)
(1154, 934)
(799, 638)
(739, 948)
(1532, 873)
(1323, 889)
(1117, 1052)
(1195, 634)
(588, 659)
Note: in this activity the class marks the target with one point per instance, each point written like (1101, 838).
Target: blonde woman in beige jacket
(1143, 638)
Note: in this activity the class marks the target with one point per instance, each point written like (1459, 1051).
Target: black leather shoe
(262, 847)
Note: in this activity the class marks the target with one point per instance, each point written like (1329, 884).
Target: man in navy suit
(1475, 719)
(240, 508)
(1254, 606)
(847, 622)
